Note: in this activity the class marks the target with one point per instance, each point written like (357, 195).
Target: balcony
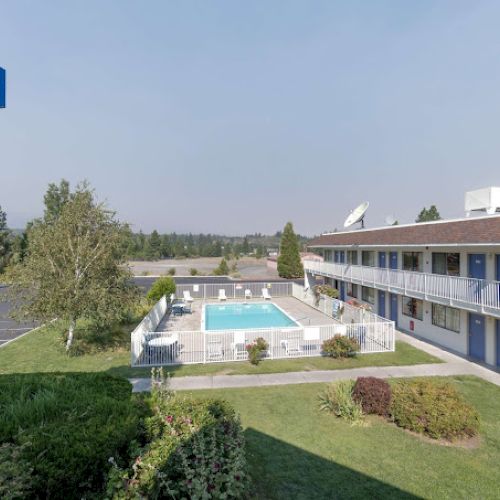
(472, 294)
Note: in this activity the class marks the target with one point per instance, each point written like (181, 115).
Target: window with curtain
(446, 317)
(413, 261)
(368, 258)
(446, 263)
(368, 294)
(414, 308)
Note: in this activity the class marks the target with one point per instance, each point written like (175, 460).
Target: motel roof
(469, 231)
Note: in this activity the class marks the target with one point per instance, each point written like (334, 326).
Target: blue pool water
(242, 316)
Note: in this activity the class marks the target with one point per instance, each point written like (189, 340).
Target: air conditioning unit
(483, 200)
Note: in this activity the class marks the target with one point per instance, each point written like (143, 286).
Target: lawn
(43, 351)
(297, 452)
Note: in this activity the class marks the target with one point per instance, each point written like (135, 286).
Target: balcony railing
(467, 293)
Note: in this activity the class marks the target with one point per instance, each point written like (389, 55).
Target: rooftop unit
(483, 200)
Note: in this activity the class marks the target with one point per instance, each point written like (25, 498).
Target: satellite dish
(357, 215)
(390, 220)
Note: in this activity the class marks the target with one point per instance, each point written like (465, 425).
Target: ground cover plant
(57, 432)
(434, 408)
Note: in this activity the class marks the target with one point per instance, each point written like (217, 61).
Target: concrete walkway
(453, 365)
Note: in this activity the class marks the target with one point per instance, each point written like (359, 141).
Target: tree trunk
(71, 330)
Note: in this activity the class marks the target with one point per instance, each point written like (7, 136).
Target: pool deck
(300, 312)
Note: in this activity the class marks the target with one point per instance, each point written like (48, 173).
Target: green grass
(298, 452)
(43, 351)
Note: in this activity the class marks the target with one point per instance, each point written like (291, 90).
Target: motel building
(437, 280)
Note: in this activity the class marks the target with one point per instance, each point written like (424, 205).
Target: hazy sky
(236, 116)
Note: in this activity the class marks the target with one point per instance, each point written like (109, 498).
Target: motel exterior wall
(456, 341)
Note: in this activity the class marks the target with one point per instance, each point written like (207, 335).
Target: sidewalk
(453, 365)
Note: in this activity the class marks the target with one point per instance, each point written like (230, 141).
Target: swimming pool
(242, 316)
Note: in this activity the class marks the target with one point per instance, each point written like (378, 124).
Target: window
(352, 290)
(414, 308)
(412, 261)
(446, 317)
(352, 257)
(368, 258)
(446, 263)
(368, 294)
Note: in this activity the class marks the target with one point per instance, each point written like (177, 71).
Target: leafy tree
(55, 198)
(259, 252)
(73, 266)
(162, 286)
(4, 240)
(429, 214)
(289, 263)
(223, 269)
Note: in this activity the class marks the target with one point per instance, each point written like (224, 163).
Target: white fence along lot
(152, 348)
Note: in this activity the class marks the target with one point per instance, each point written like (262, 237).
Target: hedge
(62, 429)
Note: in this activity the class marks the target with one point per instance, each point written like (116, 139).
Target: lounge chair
(239, 346)
(187, 296)
(265, 294)
(292, 347)
(172, 298)
(214, 350)
(248, 294)
(222, 294)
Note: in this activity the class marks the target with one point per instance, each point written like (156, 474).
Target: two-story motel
(438, 280)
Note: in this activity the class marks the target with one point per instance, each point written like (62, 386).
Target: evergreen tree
(223, 269)
(289, 263)
(155, 244)
(429, 214)
(245, 247)
(4, 240)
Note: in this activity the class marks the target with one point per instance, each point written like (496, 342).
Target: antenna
(390, 220)
(357, 215)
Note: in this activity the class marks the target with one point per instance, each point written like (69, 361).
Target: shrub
(327, 290)
(195, 450)
(255, 350)
(434, 408)
(374, 395)
(162, 286)
(337, 399)
(340, 346)
(222, 269)
(171, 271)
(193, 271)
(64, 427)
(16, 479)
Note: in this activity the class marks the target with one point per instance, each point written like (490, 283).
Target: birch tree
(73, 267)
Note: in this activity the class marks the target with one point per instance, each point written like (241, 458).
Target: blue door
(393, 260)
(336, 256)
(477, 266)
(342, 256)
(381, 303)
(498, 342)
(342, 290)
(498, 267)
(394, 307)
(476, 336)
(381, 259)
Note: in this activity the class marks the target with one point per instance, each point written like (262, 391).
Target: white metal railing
(151, 348)
(482, 295)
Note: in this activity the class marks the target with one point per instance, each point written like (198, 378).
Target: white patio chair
(265, 294)
(248, 294)
(187, 296)
(222, 294)
(172, 298)
(214, 350)
(292, 347)
(238, 346)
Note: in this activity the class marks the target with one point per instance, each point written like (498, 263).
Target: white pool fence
(152, 348)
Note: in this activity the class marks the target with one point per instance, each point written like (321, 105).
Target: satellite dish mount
(357, 215)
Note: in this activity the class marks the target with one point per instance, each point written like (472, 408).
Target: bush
(337, 399)
(327, 290)
(193, 271)
(434, 408)
(255, 350)
(374, 395)
(222, 269)
(340, 346)
(171, 271)
(195, 450)
(15, 472)
(63, 428)
(162, 286)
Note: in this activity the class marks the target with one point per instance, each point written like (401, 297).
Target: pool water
(243, 316)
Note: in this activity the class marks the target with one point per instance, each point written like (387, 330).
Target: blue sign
(2, 88)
